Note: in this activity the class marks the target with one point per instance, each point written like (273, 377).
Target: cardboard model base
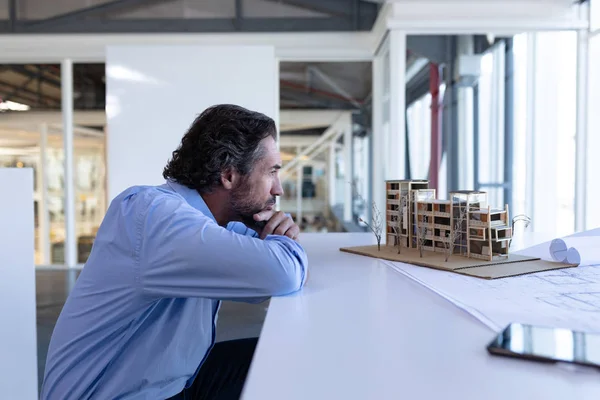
(513, 265)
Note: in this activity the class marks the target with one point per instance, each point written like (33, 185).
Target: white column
(466, 159)
(397, 148)
(276, 118)
(378, 177)
(67, 117)
(43, 214)
(299, 189)
(530, 194)
(331, 174)
(348, 178)
(582, 130)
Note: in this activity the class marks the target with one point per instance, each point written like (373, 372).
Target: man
(140, 321)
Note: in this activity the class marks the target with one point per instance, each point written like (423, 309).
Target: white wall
(18, 339)
(155, 92)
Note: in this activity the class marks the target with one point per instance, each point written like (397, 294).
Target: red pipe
(436, 111)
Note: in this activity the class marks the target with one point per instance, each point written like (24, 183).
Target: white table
(360, 330)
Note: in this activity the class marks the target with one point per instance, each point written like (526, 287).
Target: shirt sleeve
(241, 229)
(183, 253)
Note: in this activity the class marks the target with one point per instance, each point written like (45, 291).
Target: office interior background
(499, 96)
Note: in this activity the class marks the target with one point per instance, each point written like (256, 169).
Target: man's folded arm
(182, 253)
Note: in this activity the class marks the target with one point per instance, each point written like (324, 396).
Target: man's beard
(244, 206)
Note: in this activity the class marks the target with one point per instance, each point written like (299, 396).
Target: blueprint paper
(567, 298)
(582, 250)
(564, 298)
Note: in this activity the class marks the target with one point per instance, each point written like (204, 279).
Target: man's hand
(277, 223)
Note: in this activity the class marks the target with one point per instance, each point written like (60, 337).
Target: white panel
(18, 344)
(149, 107)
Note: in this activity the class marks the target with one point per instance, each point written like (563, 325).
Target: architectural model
(462, 234)
(464, 225)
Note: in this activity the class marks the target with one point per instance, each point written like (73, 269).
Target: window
(418, 116)
(490, 152)
(545, 110)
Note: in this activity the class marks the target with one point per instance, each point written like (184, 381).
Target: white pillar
(348, 179)
(43, 214)
(530, 194)
(377, 159)
(331, 174)
(276, 118)
(582, 130)
(397, 148)
(67, 117)
(466, 159)
(299, 179)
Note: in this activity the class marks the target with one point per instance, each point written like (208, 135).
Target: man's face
(257, 190)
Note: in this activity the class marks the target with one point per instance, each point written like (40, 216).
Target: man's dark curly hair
(224, 136)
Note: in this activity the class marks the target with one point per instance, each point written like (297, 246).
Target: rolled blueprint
(580, 250)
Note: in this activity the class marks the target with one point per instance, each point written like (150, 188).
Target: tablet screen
(545, 343)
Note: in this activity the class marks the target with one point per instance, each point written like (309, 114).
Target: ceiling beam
(81, 14)
(18, 89)
(432, 47)
(21, 69)
(307, 119)
(291, 140)
(347, 8)
(193, 25)
(335, 86)
(12, 87)
(309, 100)
(91, 48)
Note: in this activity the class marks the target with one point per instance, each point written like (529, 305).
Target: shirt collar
(192, 197)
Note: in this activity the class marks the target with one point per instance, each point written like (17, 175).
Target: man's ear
(229, 178)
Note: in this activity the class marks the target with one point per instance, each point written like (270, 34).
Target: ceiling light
(13, 106)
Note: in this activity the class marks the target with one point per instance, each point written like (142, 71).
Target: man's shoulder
(145, 192)
(141, 197)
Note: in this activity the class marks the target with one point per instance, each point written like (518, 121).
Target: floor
(236, 320)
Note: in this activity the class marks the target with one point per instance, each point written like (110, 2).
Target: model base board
(512, 265)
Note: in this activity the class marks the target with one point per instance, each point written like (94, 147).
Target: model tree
(422, 235)
(400, 222)
(456, 234)
(518, 218)
(376, 225)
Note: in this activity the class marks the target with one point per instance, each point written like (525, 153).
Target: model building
(464, 224)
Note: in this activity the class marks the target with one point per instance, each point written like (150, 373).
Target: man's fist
(277, 223)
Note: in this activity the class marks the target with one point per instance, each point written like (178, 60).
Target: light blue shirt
(141, 317)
